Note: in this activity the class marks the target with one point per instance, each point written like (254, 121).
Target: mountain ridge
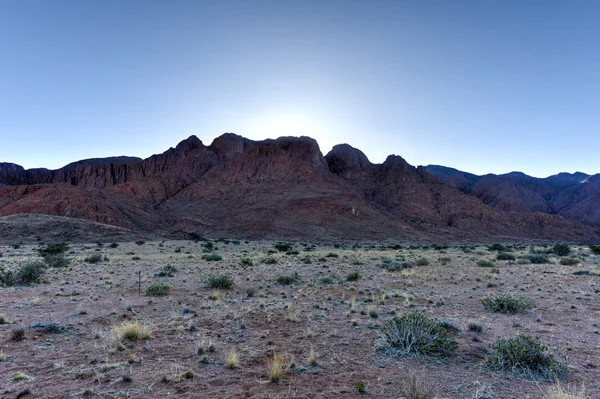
(286, 188)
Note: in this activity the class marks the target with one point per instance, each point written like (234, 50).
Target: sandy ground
(328, 316)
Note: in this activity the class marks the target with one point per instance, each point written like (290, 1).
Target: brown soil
(90, 299)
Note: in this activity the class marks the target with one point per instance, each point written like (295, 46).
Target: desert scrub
(247, 262)
(28, 273)
(166, 271)
(422, 262)
(525, 356)
(485, 263)
(269, 261)
(132, 331)
(53, 249)
(416, 334)
(212, 257)
(505, 256)
(95, 258)
(353, 276)
(418, 387)
(157, 289)
(595, 249)
(289, 279)
(223, 281)
(507, 303)
(57, 261)
(561, 249)
(283, 246)
(569, 261)
(445, 260)
(536, 259)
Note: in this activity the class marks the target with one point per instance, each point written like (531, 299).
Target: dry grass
(558, 392)
(232, 359)
(132, 331)
(277, 366)
(416, 386)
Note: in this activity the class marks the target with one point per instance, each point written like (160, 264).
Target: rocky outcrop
(287, 188)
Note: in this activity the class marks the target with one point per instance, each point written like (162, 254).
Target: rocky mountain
(574, 196)
(286, 188)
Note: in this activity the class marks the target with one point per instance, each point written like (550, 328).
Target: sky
(485, 86)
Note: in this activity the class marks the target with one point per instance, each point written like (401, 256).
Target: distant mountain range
(286, 189)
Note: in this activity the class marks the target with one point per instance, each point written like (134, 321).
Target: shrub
(166, 271)
(505, 256)
(417, 387)
(445, 260)
(95, 258)
(536, 258)
(360, 387)
(474, 327)
(277, 367)
(219, 281)
(595, 249)
(17, 334)
(332, 255)
(289, 279)
(269, 261)
(140, 242)
(113, 245)
(569, 261)
(326, 280)
(57, 261)
(507, 303)
(53, 249)
(497, 247)
(282, 246)
(353, 276)
(485, 263)
(31, 273)
(525, 356)
(422, 262)
(561, 249)
(212, 257)
(247, 262)
(158, 289)
(416, 334)
(132, 331)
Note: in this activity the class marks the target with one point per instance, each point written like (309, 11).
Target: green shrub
(95, 258)
(445, 260)
(282, 246)
(569, 261)
(595, 249)
(219, 281)
(212, 257)
(525, 356)
(353, 276)
(247, 262)
(166, 271)
(332, 255)
(505, 256)
(497, 247)
(561, 249)
(416, 334)
(326, 280)
(27, 274)
(57, 261)
(485, 263)
(113, 245)
(507, 303)
(8, 277)
(289, 279)
(269, 261)
(536, 259)
(422, 262)
(158, 289)
(53, 249)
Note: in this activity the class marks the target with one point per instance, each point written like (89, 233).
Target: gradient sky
(484, 86)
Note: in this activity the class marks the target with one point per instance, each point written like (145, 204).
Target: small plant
(140, 242)
(417, 387)
(326, 280)
(569, 261)
(505, 256)
(312, 359)
(113, 245)
(212, 257)
(360, 387)
(17, 334)
(186, 375)
(416, 334)
(53, 249)
(289, 279)
(561, 249)
(332, 255)
(595, 249)
(158, 289)
(485, 263)
(269, 261)
(166, 271)
(353, 276)
(247, 262)
(282, 246)
(57, 261)
(422, 262)
(27, 274)
(507, 303)
(277, 366)
(497, 247)
(219, 281)
(445, 260)
(476, 328)
(536, 259)
(232, 358)
(132, 331)
(525, 356)
(558, 392)
(95, 258)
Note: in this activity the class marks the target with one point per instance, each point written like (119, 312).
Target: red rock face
(287, 188)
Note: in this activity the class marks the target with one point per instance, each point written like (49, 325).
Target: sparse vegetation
(219, 281)
(288, 279)
(505, 256)
(277, 366)
(95, 258)
(485, 263)
(525, 356)
(508, 303)
(353, 276)
(132, 331)
(536, 259)
(29, 273)
(416, 334)
(53, 249)
(570, 261)
(418, 387)
(212, 257)
(561, 249)
(157, 289)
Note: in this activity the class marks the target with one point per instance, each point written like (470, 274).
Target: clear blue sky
(481, 85)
